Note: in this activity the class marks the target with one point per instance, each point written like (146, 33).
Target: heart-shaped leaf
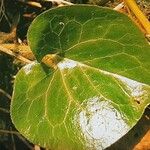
(98, 89)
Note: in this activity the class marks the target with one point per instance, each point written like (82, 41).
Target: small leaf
(101, 85)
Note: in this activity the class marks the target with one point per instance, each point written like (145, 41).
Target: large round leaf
(101, 85)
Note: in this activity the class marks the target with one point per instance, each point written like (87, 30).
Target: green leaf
(101, 85)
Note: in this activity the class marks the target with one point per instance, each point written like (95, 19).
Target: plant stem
(139, 15)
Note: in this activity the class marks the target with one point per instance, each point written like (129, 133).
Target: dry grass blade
(5, 93)
(4, 110)
(18, 135)
(139, 15)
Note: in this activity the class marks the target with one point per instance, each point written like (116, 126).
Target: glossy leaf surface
(101, 85)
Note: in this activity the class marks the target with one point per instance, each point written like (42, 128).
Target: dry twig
(60, 2)
(8, 51)
(36, 147)
(119, 6)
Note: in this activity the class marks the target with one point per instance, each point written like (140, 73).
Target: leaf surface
(101, 85)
